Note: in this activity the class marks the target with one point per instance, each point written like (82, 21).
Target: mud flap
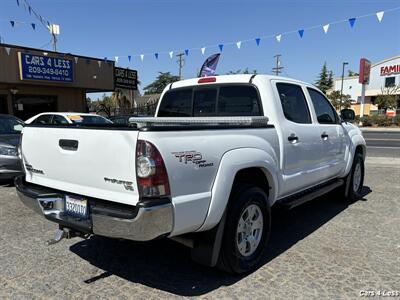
(208, 245)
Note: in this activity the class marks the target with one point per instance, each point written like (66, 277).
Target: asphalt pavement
(382, 143)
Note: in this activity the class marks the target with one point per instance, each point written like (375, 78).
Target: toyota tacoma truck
(205, 171)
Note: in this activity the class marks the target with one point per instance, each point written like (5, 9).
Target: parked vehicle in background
(10, 135)
(65, 118)
(124, 119)
(205, 171)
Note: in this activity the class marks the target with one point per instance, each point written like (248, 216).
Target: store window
(390, 81)
(26, 106)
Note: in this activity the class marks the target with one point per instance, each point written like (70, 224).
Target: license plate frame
(76, 206)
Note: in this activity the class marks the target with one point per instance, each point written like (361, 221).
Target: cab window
(43, 120)
(58, 120)
(323, 109)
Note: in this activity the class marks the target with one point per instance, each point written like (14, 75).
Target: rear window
(80, 119)
(176, 103)
(224, 100)
(238, 101)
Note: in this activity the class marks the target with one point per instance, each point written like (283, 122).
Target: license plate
(76, 206)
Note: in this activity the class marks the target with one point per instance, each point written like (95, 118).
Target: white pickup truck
(205, 171)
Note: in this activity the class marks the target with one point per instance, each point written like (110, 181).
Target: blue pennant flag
(301, 33)
(30, 10)
(129, 57)
(33, 26)
(221, 46)
(209, 66)
(352, 21)
(187, 52)
(12, 23)
(156, 55)
(258, 40)
(18, 2)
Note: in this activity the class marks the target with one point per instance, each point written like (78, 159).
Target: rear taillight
(152, 177)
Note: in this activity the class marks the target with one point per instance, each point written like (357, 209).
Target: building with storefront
(34, 81)
(384, 74)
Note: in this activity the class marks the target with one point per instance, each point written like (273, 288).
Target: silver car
(10, 133)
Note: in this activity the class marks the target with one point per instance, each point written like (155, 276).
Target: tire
(354, 181)
(247, 230)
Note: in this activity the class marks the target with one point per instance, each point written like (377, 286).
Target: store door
(26, 106)
(3, 104)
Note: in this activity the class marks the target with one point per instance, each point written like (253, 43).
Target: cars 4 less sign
(125, 78)
(45, 68)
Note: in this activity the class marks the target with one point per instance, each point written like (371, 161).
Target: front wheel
(355, 180)
(247, 230)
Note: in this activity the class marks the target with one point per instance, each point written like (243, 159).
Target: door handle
(293, 138)
(71, 145)
(324, 135)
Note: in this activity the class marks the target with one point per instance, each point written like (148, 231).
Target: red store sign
(387, 70)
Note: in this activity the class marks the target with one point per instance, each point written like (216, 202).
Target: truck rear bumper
(145, 221)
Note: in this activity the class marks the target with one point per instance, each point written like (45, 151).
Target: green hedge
(379, 120)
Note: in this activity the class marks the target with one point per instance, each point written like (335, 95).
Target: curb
(379, 129)
(384, 161)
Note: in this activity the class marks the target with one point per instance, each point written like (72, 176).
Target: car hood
(10, 139)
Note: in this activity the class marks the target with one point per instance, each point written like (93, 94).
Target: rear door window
(176, 103)
(293, 103)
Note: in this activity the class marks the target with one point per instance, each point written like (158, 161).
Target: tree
(158, 85)
(351, 73)
(335, 96)
(104, 106)
(388, 98)
(245, 71)
(325, 79)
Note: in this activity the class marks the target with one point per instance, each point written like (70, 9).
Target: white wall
(350, 87)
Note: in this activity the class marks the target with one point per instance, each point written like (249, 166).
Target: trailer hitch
(67, 233)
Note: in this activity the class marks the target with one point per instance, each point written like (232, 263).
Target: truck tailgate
(98, 163)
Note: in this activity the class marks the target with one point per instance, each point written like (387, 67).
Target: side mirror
(347, 115)
(18, 127)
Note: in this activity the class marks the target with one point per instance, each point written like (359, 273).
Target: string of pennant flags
(33, 12)
(15, 23)
(278, 37)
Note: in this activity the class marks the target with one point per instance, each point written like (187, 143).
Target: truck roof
(237, 78)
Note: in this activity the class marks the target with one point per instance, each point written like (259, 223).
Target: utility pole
(54, 30)
(341, 88)
(278, 69)
(181, 62)
(54, 42)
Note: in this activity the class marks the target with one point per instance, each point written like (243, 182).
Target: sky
(109, 28)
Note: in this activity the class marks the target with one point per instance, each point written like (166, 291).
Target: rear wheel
(247, 230)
